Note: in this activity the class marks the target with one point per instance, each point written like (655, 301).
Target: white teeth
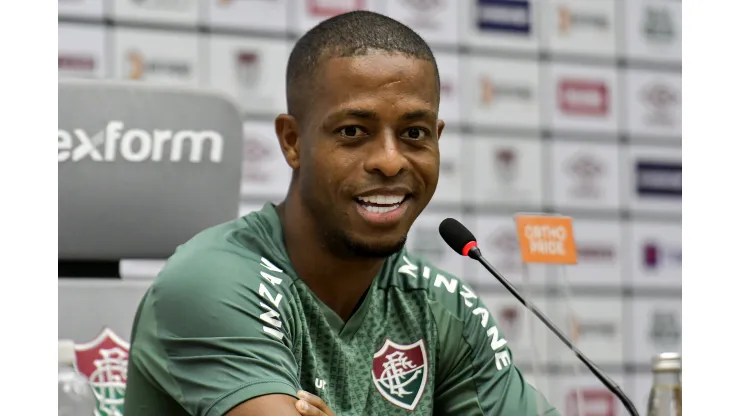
(382, 199)
(379, 210)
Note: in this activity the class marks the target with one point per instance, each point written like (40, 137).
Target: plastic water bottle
(76, 397)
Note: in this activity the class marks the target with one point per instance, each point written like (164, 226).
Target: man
(318, 294)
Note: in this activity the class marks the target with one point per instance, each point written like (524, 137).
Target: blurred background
(559, 106)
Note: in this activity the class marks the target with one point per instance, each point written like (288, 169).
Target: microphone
(464, 243)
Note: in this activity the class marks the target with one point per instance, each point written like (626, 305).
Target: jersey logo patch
(400, 372)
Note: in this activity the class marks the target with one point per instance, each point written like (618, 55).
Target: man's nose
(386, 155)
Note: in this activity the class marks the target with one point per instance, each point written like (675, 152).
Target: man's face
(369, 154)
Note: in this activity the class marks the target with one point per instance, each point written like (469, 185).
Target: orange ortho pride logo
(546, 239)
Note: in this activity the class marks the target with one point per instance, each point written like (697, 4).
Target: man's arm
(214, 334)
(309, 405)
(271, 404)
(477, 375)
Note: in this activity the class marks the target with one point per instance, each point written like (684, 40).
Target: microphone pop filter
(457, 236)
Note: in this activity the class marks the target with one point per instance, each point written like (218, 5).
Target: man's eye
(351, 131)
(416, 133)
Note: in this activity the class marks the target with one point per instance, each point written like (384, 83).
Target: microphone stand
(475, 254)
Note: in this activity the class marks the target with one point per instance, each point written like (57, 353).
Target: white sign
(251, 71)
(449, 188)
(585, 175)
(265, 173)
(450, 93)
(155, 56)
(654, 30)
(528, 342)
(504, 171)
(81, 8)
(600, 254)
(501, 24)
(497, 238)
(581, 98)
(583, 27)
(82, 51)
(270, 15)
(653, 178)
(655, 254)
(583, 394)
(308, 13)
(435, 21)
(656, 328)
(654, 100)
(501, 92)
(181, 12)
(593, 323)
(424, 240)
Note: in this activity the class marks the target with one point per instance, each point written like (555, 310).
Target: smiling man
(318, 293)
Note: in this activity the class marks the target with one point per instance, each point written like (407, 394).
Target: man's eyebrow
(418, 114)
(356, 113)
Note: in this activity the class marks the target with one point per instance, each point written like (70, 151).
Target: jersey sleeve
(215, 331)
(476, 374)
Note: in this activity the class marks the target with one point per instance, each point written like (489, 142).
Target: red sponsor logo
(76, 62)
(583, 97)
(595, 401)
(330, 8)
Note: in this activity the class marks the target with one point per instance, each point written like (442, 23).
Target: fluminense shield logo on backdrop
(104, 361)
(400, 372)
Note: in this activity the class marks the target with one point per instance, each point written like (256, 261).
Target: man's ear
(286, 129)
(440, 127)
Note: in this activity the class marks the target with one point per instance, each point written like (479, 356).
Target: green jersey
(228, 320)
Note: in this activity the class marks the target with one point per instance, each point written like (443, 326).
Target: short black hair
(349, 34)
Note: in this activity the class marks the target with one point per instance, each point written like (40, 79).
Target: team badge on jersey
(400, 372)
(104, 361)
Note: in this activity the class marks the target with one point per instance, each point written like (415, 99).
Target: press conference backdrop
(567, 106)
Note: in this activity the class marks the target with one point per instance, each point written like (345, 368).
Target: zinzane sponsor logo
(137, 145)
(270, 302)
(502, 357)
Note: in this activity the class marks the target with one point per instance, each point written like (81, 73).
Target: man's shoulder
(411, 273)
(230, 257)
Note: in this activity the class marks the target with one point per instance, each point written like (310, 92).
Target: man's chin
(363, 248)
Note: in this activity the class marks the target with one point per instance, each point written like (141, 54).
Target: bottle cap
(66, 351)
(667, 361)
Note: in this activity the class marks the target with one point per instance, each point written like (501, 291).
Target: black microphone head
(457, 236)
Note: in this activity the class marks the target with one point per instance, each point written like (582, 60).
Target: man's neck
(339, 283)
